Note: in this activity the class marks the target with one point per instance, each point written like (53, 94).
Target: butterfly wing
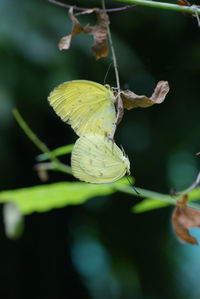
(95, 159)
(86, 105)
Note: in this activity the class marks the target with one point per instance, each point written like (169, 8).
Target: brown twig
(120, 107)
(120, 8)
(66, 5)
(116, 9)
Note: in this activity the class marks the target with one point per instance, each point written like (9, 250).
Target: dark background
(100, 249)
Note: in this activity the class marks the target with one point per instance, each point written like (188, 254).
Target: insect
(87, 106)
(96, 159)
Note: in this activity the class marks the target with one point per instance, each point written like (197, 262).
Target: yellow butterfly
(87, 106)
(96, 159)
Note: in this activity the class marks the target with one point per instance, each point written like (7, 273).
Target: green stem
(56, 164)
(143, 193)
(63, 168)
(60, 151)
(189, 9)
(153, 195)
(27, 130)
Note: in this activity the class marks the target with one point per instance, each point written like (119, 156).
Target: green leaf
(46, 197)
(149, 204)
(60, 151)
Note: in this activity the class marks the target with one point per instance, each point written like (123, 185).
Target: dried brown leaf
(132, 100)
(184, 218)
(160, 92)
(77, 28)
(99, 32)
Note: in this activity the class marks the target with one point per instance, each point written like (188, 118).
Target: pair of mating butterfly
(89, 108)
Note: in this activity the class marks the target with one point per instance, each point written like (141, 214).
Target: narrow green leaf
(60, 151)
(149, 204)
(46, 197)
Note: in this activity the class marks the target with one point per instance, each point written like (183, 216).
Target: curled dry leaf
(184, 218)
(99, 32)
(77, 28)
(132, 100)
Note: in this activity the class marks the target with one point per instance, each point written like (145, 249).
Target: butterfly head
(107, 86)
(110, 93)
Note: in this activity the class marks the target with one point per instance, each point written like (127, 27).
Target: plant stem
(120, 107)
(153, 195)
(31, 135)
(112, 49)
(189, 9)
(143, 193)
(84, 9)
(56, 164)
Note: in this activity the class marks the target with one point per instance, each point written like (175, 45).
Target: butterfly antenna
(138, 193)
(107, 73)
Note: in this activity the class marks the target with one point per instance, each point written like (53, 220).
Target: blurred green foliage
(57, 195)
(100, 249)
